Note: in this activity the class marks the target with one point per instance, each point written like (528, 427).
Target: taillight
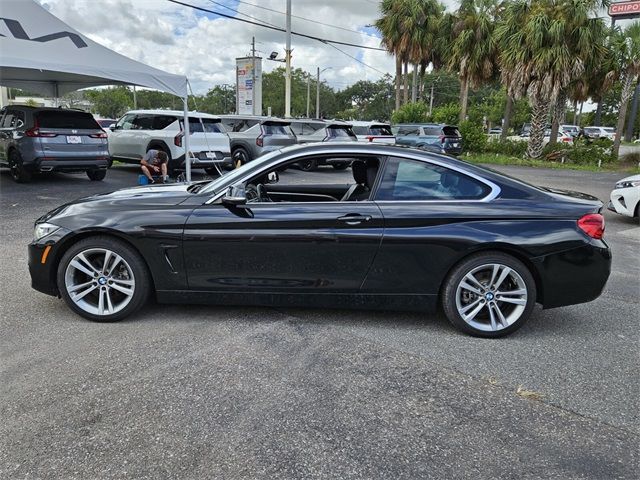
(441, 138)
(35, 132)
(370, 138)
(592, 224)
(98, 135)
(177, 140)
(259, 140)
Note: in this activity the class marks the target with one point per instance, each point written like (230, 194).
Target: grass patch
(498, 159)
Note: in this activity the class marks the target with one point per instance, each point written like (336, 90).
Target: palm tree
(544, 45)
(409, 30)
(389, 27)
(473, 52)
(625, 46)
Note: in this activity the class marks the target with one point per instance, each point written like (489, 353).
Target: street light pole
(318, 90)
(287, 79)
(308, 93)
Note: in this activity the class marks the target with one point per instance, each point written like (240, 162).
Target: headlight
(634, 183)
(42, 230)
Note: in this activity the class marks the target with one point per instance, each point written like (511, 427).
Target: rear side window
(13, 119)
(276, 129)
(380, 130)
(339, 132)
(206, 125)
(360, 130)
(160, 122)
(238, 124)
(431, 131)
(142, 122)
(414, 180)
(66, 119)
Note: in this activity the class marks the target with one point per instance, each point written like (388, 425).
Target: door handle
(354, 219)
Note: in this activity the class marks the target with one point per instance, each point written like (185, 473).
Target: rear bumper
(574, 276)
(223, 159)
(48, 164)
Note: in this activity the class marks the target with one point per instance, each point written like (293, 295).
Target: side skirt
(416, 302)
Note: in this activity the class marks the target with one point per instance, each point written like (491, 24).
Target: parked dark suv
(431, 136)
(34, 139)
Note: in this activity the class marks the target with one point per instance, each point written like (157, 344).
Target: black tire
(340, 166)
(476, 326)
(213, 171)
(308, 165)
(18, 172)
(96, 175)
(240, 156)
(138, 271)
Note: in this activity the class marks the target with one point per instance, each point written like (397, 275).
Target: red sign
(625, 9)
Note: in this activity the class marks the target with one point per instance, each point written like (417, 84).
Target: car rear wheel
(489, 295)
(103, 279)
(96, 175)
(18, 172)
(240, 157)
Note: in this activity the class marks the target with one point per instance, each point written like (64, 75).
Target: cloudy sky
(203, 46)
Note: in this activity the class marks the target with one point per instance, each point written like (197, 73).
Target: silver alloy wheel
(491, 297)
(99, 281)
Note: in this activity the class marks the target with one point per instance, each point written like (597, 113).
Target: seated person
(154, 164)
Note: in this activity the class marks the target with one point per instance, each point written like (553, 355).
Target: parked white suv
(139, 131)
(375, 132)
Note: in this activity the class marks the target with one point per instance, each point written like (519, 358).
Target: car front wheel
(489, 295)
(103, 279)
(96, 175)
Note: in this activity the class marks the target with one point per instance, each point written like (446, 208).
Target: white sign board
(249, 86)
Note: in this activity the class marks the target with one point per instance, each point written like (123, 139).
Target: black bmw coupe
(411, 230)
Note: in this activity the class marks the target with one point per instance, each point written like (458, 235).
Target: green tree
(219, 100)
(625, 46)
(543, 47)
(410, 113)
(110, 102)
(474, 50)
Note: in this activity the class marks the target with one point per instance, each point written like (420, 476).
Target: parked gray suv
(252, 136)
(34, 139)
(310, 131)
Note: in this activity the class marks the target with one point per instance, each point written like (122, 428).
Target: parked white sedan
(625, 198)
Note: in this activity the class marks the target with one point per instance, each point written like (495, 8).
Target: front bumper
(43, 264)
(624, 201)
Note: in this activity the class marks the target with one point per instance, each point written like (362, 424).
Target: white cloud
(178, 39)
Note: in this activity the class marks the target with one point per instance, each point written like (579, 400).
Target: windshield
(231, 177)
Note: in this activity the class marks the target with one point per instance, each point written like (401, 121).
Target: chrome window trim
(386, 152)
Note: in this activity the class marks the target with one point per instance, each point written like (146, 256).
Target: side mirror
(273, 177)
(235, 196)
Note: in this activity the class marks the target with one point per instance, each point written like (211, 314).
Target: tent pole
(187, 158)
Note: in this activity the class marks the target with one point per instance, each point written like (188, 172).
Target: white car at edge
(625, 198)
(373, 132)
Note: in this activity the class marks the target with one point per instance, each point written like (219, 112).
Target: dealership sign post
(249, 86)
(624, 10)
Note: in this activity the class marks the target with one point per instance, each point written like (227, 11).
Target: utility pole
(287, 79)
(308, 93)
(135, 98)
(318, 94)
(253, 75)
(431, 100)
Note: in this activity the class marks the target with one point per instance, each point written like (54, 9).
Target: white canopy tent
(40, 53)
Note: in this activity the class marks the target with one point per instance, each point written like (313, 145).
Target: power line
(312, 37)
(243, 14)
(310, 20)
(356, 59)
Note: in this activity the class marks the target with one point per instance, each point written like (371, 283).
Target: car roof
(46, 109)
(362, 123)
(177, 113)
(424, 125)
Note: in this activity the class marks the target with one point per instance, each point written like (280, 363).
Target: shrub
(448, 113)
(410, 113)
(580, 153)
(512, 148)
(473, 137)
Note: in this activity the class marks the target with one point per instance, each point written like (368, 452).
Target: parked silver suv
(309, 131)
(252, 136)
(36, 139)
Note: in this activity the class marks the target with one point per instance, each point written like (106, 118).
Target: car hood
(632, 178)
(135, 198)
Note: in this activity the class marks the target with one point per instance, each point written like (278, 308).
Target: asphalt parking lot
(230, 392)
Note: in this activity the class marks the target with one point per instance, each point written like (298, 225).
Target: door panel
(282, 247)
